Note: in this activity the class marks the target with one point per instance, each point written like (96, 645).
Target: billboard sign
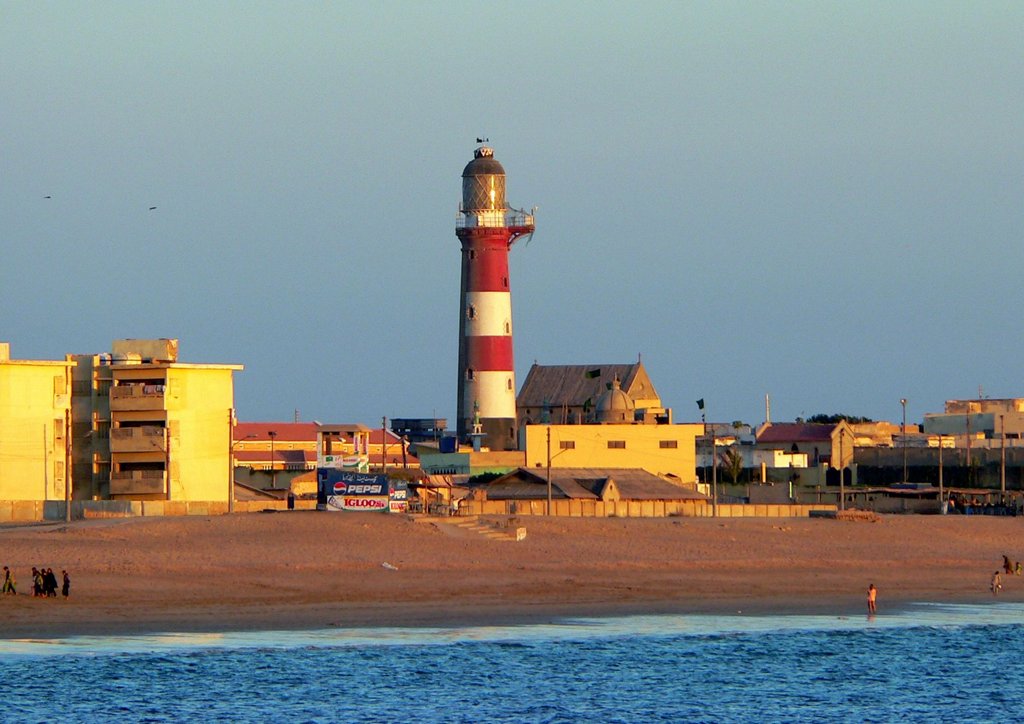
(370, 503)
(399, 496)
(346, 490)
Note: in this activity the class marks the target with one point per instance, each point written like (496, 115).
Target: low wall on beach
(635, 509)
(54, 510)
(24, 511)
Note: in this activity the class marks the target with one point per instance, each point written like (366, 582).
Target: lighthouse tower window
(471, 312)
(469, 373)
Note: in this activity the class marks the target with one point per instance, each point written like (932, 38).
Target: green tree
(839, 417)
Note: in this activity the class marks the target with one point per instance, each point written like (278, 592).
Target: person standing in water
(872, 595)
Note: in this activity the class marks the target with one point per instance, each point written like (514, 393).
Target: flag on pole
(700, 404)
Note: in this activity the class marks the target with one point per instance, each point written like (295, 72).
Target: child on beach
(872, 594)
(997, 583)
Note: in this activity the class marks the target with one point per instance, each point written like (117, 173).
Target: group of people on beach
(1009, 569)
(44, 583)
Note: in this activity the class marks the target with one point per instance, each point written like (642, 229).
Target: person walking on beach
(872, 595)
(37, 582)
(65, 589)
(51, 583)
(997, 583)
(9, 582)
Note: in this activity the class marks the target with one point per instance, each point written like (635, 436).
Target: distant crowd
(44, 583)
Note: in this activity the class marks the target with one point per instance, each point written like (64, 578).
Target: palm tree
(732, 463)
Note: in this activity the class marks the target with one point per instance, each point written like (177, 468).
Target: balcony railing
(137, 397)
(512, 218)
(148, 438)
(138, 482)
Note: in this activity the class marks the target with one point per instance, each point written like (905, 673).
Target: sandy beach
(306, 569)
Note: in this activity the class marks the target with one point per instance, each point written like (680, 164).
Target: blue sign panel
(332, 481)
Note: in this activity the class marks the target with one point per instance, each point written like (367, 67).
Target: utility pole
(549, 470)
(273, 473)
(940, 470)
(903, 401)
(1002, 459)
(714, 475)
(231, 460)
(842, 481)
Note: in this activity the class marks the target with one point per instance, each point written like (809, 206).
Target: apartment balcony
(149, 438)
(137, 397)
(138, 482)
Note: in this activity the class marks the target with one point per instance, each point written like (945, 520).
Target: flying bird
(151, 208)
(483, 140)
(47, 197)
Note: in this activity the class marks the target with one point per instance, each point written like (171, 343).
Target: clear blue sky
(821, 201)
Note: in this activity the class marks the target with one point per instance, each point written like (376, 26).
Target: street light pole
(940, 470)
(903, 401)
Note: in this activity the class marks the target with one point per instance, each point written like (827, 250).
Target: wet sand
(303, 570)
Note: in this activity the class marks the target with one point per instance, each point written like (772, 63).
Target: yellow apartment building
(170, 424)
(35, 414)
(665, 450)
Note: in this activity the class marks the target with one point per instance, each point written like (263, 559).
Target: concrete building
(271, 454)
(825, 444)
(668, 451)
(169, 431)
(978, 422)
(35, 428)
(568, 394)
(91, 379)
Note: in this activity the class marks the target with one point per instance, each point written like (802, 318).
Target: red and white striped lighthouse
(487, 228)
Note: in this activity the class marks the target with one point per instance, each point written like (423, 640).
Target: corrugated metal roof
(587, 484)
(284, 431)
(558, 385)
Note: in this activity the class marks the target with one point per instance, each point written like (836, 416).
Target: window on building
(471, 312)
(673, 444)
(508, 384)
(616, 444)
(567, 444)
(469, 373)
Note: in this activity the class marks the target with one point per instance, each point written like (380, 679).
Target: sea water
(925, 663)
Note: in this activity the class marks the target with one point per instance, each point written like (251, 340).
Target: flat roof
(173, 365)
